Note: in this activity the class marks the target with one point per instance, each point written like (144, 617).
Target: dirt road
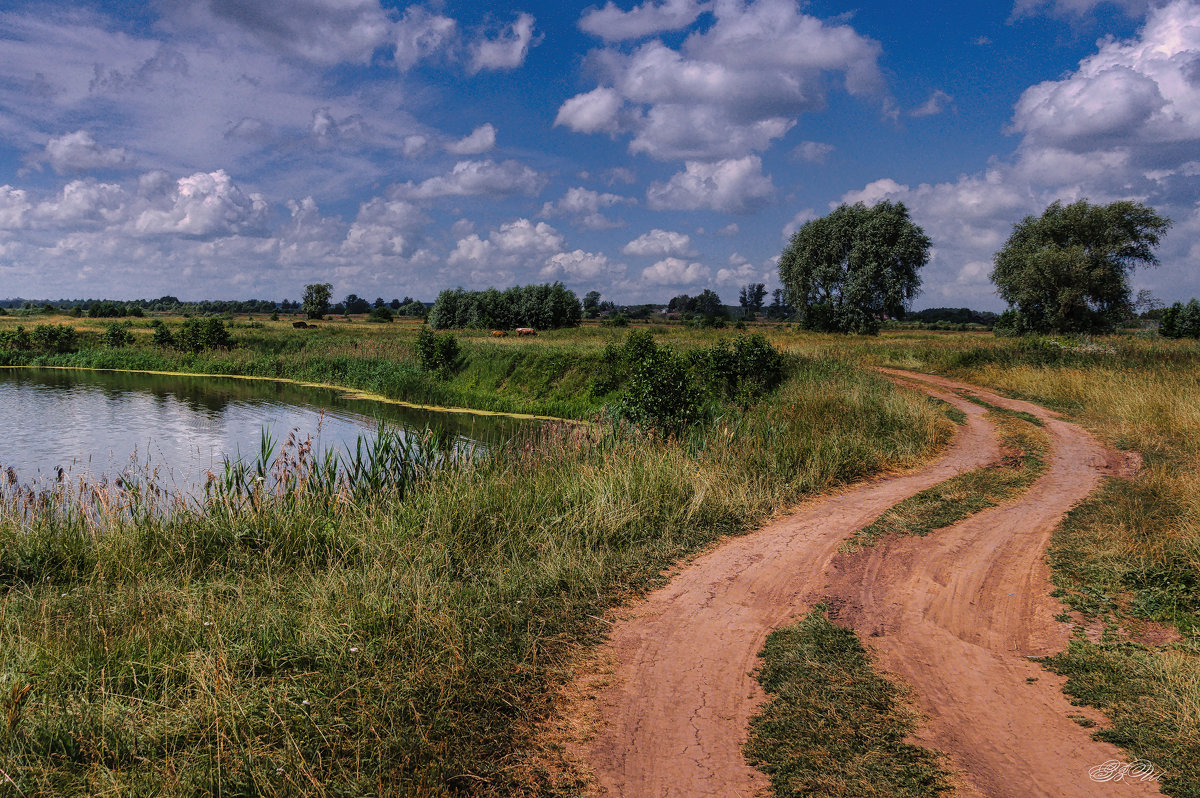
(954, 614)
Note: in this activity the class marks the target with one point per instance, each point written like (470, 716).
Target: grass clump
(966, 494)
(832, 726)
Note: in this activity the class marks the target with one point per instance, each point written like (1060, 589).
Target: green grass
(966, 494)
(832, 726)
(347, 648)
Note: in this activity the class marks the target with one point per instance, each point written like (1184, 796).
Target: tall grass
(394, 643)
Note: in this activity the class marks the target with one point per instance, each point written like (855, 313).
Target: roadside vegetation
(334, 640)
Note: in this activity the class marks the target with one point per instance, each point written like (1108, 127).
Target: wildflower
(208, 623)
(305, 702)
(353, 649)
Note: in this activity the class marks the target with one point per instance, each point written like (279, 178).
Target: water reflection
(103, 424)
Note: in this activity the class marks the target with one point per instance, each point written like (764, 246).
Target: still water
(106, 424)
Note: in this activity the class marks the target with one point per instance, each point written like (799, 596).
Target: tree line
(541, 307)
(1066, 271)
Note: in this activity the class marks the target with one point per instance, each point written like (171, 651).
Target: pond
(102, 425)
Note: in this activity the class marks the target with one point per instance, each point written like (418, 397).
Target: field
(411, 645)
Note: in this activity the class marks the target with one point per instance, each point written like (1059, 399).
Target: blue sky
(238, 148)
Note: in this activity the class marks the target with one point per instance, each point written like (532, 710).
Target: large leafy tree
(316, 299)
(847, 271)
(1068, 269)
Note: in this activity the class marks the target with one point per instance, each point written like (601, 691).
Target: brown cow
(526, 331)
(499, 334)
(300, 325)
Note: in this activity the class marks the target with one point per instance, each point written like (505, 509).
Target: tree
(591, 304)
(708, 303)
(1068, 270)
(751, 298)
(849, 270)
(316, 299)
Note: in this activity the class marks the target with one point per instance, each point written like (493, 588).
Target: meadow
(410, 642)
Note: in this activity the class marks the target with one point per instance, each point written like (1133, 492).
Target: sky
(228, 149)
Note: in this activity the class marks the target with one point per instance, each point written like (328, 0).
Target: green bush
(15, 340)
(196, 335)
(380, 314)
(161, 335)
(117, 335)
(437, 353)
(54, 338)
(1181, 321)
(748, 369)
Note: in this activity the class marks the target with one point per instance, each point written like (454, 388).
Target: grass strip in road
(966, 494)
(833, 727)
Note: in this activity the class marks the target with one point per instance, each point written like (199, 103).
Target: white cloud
(731, 186)
(675, 271)
(419, 35)
(475, 178)
(612, 24)
(592, 112)
(730, 89)
(482, 139)
(579, 265)
(806, 215)
(79, 152)
(873, 193)
(507, 50)
(385, 227)
(658, 243)
(582, 206)
(812, 151)
(205, 204)
(937, 102)
(517, 244)
(14, 207)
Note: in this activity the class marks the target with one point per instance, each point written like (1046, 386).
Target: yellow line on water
(351, 393)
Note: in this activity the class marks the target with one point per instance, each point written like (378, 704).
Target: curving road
(954, 614)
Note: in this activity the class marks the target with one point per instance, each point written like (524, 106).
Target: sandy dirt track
(955, 615)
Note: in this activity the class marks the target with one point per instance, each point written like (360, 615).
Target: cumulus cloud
(507, 50)
(583, 207)
(612, 24)
(731, 186)
(79, 152)
(205, 204)
(475, 178)
(798, 221)
(385, 227)
(659, 243)
(591, 112)
(730, 89)
(579, 265)
(675, 271)
(14, 207)
(482, 139)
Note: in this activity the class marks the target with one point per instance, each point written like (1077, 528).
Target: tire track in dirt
(954, 614)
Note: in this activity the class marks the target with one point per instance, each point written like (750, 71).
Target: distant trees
(780, 308)
(1181, 321)
(316, 299)
(751, 299)
(849, 270)
(356, 304)
(543, 307)
(1068, 270)
(707, 303)
(591, 304)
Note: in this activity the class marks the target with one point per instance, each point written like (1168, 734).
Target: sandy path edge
(954, 614)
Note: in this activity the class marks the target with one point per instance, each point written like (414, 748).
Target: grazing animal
(526, 331)
(300, 325)
(499, 334)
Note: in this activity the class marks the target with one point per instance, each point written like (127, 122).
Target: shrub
(1181, 321)
(660, 391)
(117, 335)
(380, 314)
(15, 340)
(748, 369)
(161, 335)
(438, 353)
(54, 338)
(199, 334)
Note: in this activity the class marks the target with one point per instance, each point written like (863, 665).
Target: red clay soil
(954, 614)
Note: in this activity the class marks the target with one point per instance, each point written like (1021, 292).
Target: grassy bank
(386, 646)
